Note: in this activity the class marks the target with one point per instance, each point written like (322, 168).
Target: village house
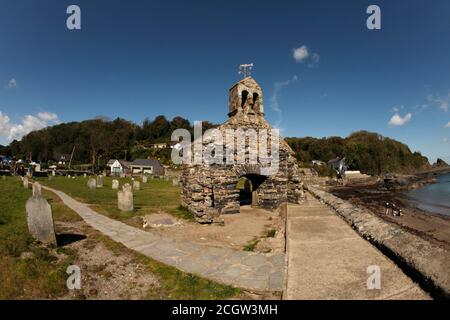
(61, 158)
(161, 145)
(119, 167)
(147, 166)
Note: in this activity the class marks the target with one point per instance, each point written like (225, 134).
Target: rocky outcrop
(440, 164)
(407, 182)
(425, 262)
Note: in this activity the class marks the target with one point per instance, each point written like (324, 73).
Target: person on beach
(388, 207)
(392, 209)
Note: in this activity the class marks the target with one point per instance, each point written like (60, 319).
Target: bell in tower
(245, 98)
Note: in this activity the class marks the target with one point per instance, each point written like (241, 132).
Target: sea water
(434, 197)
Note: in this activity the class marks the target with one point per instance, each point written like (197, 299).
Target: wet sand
(433, 227)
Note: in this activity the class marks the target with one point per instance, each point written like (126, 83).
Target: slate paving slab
(247, 270)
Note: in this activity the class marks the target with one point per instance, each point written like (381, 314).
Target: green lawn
(32, 271)
(27, 270)
(154, 196)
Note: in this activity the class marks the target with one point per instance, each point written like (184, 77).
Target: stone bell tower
(210, 190)
(245, 98)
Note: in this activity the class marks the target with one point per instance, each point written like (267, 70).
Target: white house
(119, 167)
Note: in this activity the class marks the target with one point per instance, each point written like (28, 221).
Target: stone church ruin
(209, 190)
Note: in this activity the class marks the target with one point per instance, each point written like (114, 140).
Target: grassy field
(154, 196)
(32, 271)
(27, 270)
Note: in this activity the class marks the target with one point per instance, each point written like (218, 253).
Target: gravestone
(144, 179)
(175, 182)
(25, 182)
(37, 190)
(68, 176)
(115, 184)
(53, 172)
(99, 181)
(125, 199)
(3, 177)
(91, 183)
(84, 175)
(39, 217)
(50, 178)
(136, 185)
(126, 186)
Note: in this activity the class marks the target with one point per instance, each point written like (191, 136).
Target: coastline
(434, 227)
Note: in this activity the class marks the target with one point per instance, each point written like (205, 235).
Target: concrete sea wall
(425, 262)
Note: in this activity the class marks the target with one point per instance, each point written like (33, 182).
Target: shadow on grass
(68, 238)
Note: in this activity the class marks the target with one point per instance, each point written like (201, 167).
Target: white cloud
(48, 116)
(445, 140)
(10, 131)
(12, 84)
(447, 125)
(274, 103)
(300, 54)
(397, 120)
(442, 102)
(303, 53)
(397, 109)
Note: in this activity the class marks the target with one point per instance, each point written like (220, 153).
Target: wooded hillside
(96, 141)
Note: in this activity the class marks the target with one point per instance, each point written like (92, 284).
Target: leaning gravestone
(115, 184)
(99, 181)
(144, 179)
(92, 184)
(125, 198)
(39, 217)
(136, 185)
(25, 182)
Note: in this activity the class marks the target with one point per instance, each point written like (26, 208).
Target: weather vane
(246, 69)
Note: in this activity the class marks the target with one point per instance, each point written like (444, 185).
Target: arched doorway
(247, 186)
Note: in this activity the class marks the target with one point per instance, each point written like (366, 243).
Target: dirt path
(251, 271)
(328, 260)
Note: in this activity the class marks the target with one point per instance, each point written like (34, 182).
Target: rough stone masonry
(211, 190)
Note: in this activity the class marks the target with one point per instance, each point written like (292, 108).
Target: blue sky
(139, 59)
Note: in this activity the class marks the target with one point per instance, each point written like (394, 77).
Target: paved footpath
(327, 259)
(247, 270)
